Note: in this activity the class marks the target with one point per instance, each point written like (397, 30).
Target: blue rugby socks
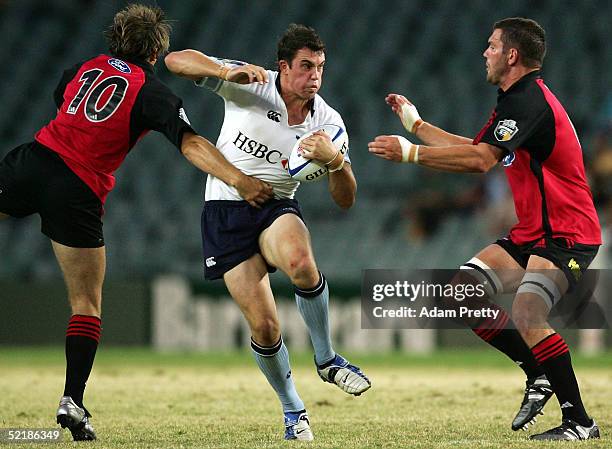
(313, 306)
(273, 361)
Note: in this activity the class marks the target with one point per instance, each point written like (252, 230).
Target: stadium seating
(430, 51)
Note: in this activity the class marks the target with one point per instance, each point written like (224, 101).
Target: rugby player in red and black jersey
(105, 105)
(557, 234)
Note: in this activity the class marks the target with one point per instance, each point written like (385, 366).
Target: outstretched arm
(205, 156)
(194, 65)
(431, 135)
(467, 158)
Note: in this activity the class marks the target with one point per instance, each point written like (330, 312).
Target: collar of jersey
(144, 65)
(521, 82)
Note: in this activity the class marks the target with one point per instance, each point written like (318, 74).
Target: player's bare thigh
(3, 216)
(285, 244)
(506, 268)
(83, 270)
(249, 285)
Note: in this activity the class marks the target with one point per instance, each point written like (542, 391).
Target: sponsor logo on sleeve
(505, 130)
(508, 160)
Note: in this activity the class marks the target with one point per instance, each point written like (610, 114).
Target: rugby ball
(307, 170)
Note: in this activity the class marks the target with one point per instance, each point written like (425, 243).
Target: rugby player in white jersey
(244, 238)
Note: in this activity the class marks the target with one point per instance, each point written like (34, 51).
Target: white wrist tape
(410, 117)
(410, 151)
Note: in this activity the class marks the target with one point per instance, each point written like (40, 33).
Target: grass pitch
(140, 399)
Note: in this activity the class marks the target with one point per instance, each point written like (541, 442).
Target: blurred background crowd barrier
(405, 217)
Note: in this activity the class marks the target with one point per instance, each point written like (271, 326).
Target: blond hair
(138, 32)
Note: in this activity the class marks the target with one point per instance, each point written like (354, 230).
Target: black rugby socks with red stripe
(501, 333)
(553, 356)
(82, 339)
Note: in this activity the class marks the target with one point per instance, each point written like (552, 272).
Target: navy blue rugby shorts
(231, 229)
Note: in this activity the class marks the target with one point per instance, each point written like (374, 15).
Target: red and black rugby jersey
(104, 106)
(543, 163)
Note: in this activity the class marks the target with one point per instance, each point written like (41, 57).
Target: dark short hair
(527, 36)
(138, 32)
(297, 37)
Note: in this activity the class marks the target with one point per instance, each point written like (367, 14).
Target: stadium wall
(169, 313)
(36, 313)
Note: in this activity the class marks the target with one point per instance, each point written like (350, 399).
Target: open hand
(406, 111)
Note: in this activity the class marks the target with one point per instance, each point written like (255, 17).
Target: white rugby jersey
(256, 137)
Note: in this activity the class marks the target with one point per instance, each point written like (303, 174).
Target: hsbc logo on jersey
(505, 130)
(257, 149)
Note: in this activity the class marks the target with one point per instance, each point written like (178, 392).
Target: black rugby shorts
(35, 179)
(572, 258)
